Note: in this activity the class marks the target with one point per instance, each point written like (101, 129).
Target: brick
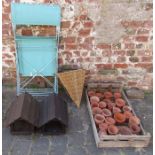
(27, 32)
(116, 46)
(132, 83)
(88, 24)
(129, 46)
(85, 46)
(138, 46)
(132, 24)
(84, 32)
(130, 52)
(148, 24)
(144, 52)
(147, 59)
(80, 59)
(143, 31)
(121, 59)
(65, 24)
(70, 40)
(5, 17)
(106, 53)
(89, 40)
(7, 9)
(104, 46)
(84, 54)
(104, 66)
(83, 17)
(71, 46)
(133, 59)
(120, 52)
(145, 65)
(120, 65)
(98, 59)
(148, 6)
(77, 53)
(142, 38)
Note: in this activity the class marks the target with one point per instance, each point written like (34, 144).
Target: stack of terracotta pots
(112, 115)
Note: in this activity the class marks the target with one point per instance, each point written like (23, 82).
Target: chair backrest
(35, 14)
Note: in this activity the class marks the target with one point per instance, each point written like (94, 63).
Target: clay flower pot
(135, 129)
(101, 134)
(108, 95)
(100, 95)
(107, 100)
(117, 95)
(116, 110)
(110, 105)
(110, 121)
(127, 108)
(106, 112)
(103, 126)
(91, 93)
(99, 118)
(94, 99)
(96, 110)
(134, 120)
(124, 130)
(102, 104)
(128, 114)
(94, 104)
(112, 130)
(120, 102)
(119, 117)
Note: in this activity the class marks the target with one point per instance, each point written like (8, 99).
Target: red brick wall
(129, 59)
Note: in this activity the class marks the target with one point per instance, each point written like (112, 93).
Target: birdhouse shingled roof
(23, 107)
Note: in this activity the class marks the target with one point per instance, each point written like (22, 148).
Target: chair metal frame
(21, 85)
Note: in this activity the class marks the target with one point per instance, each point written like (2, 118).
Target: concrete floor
(79, 138)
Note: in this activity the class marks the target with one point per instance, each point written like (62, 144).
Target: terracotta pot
(94, 99)
(112, 130)
(102, 104)
(135, 129)
(106, 112)
(134, 120)
(91, 93)
(94, 104)
(127, 108)
(96, 110)
(100, 95)
(119, 117)
(116, 110)
(108, 95)
(117, 95)
(110, 105)
(120, 102)
(128, 114)
(99, 118)
(101, 134)
(107, 100)
(103, 126)
(110, 121)
(124, 130)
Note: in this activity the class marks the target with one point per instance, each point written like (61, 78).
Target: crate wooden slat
(116, 140)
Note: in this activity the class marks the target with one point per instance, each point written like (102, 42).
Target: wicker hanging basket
(73, 81)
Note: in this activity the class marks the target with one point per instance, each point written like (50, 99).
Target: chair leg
(18, 86)
(55, 85)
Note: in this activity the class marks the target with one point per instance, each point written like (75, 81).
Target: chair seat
(37, 55)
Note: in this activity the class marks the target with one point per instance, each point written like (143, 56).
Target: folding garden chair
(36, 55)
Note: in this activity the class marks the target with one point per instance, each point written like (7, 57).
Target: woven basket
(73, 81)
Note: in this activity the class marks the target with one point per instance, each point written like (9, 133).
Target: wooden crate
(116, 140)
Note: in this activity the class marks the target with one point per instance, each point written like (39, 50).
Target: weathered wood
(117, 140)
